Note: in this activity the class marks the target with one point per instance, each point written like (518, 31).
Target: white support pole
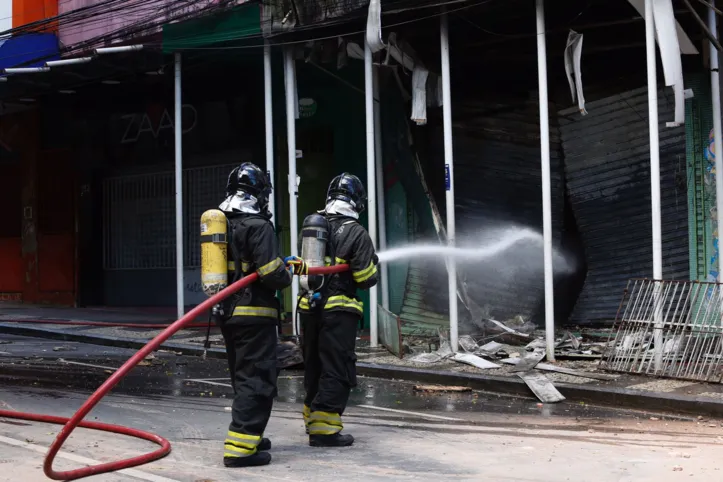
(380, 187)
(717, 129)
(269, 118)
(449, 180)
(371, 183)
(290, 81)
(546, 188)
(178, 133)
(654, 177)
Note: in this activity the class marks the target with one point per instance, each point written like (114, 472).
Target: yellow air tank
(214, 252)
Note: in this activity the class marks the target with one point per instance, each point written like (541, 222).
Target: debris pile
(519, 348)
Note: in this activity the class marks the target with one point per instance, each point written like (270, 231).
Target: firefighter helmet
(249, 178)
(349, 188)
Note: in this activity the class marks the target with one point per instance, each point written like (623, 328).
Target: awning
(237, 23)
(28, 50)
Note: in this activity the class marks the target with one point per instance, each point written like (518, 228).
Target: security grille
(670, 329)
(139, 217)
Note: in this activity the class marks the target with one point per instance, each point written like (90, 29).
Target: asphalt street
(402, 434)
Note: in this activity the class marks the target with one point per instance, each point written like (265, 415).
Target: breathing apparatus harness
(316, 251)
(215, 248)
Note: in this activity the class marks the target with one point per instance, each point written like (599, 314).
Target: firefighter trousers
(329, 368)
(251, 353)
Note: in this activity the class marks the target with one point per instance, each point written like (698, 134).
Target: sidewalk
(632, 391)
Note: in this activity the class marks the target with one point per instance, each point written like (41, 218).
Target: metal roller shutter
(607, 170)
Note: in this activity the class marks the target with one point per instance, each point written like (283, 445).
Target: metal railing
(139, 217)
(669, 329)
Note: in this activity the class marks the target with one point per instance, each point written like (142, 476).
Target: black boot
(255, 460)
(336, 440)
(264, 445)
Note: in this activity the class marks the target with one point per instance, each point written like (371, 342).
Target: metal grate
(670, 329)
(139, 217)
(203, 189)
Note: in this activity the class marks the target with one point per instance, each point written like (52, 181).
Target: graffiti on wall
(192, 289)
(154, 121)
(710, 185)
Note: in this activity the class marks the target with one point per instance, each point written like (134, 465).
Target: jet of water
(508, 240)
(491, 250)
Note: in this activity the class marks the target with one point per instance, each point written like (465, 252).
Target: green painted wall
(701, 180)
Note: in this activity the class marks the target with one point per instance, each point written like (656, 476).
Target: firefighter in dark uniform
(250, 317)
(329, 318)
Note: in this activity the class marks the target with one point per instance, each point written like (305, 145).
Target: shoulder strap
(238, 272)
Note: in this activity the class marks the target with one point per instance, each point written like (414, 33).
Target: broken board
(529, 360)
(541, 386)
(440, 388)
(474, 360)
(567, 371)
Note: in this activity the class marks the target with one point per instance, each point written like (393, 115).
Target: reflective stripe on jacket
(350, 244)
(255, 245)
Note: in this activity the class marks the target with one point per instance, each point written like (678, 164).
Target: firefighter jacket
(350, 244)
(253, 248)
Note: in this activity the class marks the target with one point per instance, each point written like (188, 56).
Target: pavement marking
(138, 474)
(61, 360)
(208, 382)
(418, 414)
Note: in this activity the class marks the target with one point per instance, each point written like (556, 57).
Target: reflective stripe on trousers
(324, 423)
(306, 412)
(240, 444)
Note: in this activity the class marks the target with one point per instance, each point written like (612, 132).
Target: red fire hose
(77, 419)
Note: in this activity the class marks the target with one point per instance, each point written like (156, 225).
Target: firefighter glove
(296, 265)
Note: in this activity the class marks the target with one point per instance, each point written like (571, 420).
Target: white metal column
(717, 129)
(269, 118)
(380, 187)
(371, 183)
(654, 176)
(290, 81)
(178, 133)
(449, 180)
(546, 189)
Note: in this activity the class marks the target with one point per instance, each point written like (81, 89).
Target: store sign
(146, 124)
(307, 108)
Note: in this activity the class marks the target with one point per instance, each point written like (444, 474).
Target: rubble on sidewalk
(511, 351)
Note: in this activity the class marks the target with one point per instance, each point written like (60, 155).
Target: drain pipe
(717, 129)
(654, 179)
(371, 183)
(380, 186)
(178, 148)
(449, 179)
(546, 184)
(269, 118)
(290, 83)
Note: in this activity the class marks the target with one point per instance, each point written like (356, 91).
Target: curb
(605, 396)
(614, 397)
(118, 342)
